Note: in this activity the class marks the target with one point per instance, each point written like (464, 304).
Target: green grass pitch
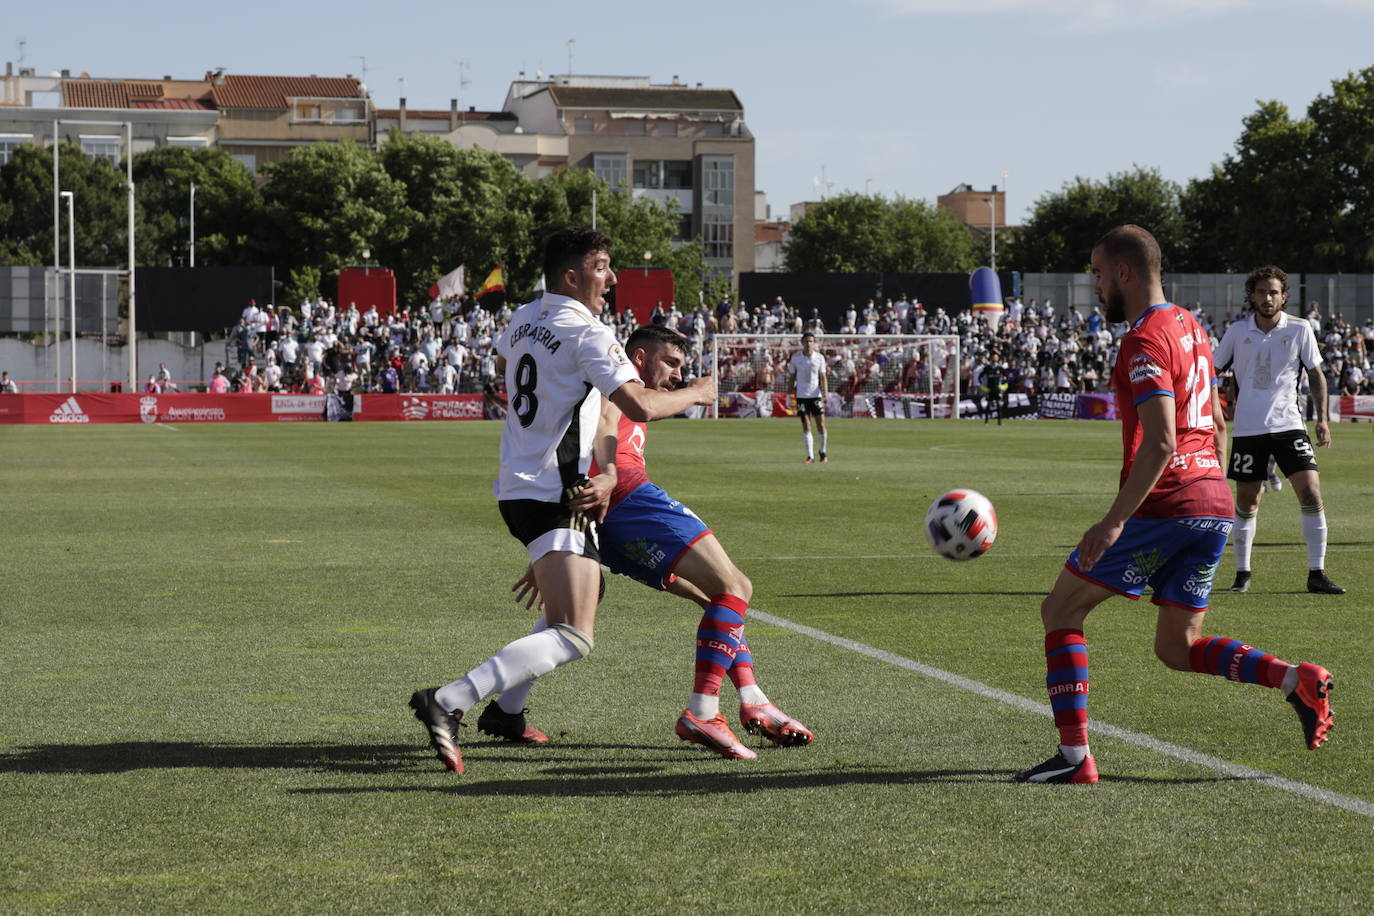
(210, 634)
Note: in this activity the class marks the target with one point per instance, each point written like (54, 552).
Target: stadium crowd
(446, 347)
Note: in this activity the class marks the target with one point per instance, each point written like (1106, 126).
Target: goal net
(868, 375)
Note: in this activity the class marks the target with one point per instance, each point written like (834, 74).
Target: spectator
(219, 384)
(7, 385)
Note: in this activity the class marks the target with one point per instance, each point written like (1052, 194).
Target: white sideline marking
(167, 426)
(1326, 796)
(1064, 553)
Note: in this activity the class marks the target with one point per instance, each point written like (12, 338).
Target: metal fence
(1350, 294)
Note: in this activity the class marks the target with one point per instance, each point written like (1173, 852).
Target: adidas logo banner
(69, 412)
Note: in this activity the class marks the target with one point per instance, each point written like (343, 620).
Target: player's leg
(806, 432)
(504, 717)
(1307, 484)
(706, 569)
(1182, 588)
(1066, 679)
(1179, 643)
(1248, 468)
(820, 428)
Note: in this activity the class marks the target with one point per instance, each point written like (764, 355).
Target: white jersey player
(807, 370)
(559, 360)
(1267, 354)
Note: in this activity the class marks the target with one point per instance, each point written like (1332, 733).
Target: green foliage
(855, 233)
(1295, 192)
(301, 284)
(227, 208)
(327, 203)
(1065, 225)
(26, 213)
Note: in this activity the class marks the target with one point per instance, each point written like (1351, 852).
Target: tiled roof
(656, 98)
(273, 91)
(144, 90)
(95, 94)
(177, 104)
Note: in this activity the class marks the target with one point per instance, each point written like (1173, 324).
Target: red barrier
(82, 408)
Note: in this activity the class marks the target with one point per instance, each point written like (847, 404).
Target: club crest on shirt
(1142, 368)
(617, 354)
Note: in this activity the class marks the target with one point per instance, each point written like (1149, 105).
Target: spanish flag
(495, 283)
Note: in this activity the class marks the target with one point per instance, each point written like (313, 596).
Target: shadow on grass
(121, 757)
(590, 782)
(958, 594)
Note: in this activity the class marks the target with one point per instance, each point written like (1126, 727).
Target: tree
(1064, 225)
(465, 206)
(228, 207)
(1295, 192)
(26, 218)
(325, 204)
(855, 233)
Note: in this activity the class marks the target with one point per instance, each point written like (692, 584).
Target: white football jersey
(1268, 368)
(558, 356)
(808, 371)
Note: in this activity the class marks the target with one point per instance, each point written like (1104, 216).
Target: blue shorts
(646, 534)
(1176, 557)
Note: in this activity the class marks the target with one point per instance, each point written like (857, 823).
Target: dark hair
(567, 247)
(647, 334)
(1133, 246)
(1268, 272)
(808, 334)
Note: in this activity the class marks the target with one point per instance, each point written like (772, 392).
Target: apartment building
(685, 146)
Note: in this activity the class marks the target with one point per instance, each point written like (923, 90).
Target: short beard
(1116, 306)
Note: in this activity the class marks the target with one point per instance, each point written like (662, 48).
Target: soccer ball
(961, 525)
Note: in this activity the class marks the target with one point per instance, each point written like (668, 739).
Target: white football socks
(1073, 753)
(703, 706)
(1242, 536)
(806, 437)
(513, 699)
(751, 694)
(824, 436)
(1314, 533)
(524, 660)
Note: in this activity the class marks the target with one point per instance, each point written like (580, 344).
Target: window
(347, 114)
(611, 168)
(307, 111)
(584, 126)
(106, 148)
(10, 142)
(715, 129)
(646, 174)
(684, 228)
(677, 174)
(718, 181)
(667, 128)
(249, 160)
(188, 142)
(635, 127)
(718, 232)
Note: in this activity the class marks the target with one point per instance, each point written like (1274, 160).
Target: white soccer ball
(961, 524)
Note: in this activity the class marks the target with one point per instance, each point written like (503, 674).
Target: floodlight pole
(129, 175)
(56, 258)
(193, 224)
(71, 277)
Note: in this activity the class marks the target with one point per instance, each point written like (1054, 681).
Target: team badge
(617, 354)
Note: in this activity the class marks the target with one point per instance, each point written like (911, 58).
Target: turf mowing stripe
(1335, 799)
(1062, 552)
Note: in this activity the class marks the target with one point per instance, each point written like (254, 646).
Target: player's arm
(825, 386)
(1316, 380)
(643, 405)
(595, 495)
(1218, 427)
(1157, 445)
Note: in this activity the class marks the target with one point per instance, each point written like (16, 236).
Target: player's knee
(581, 642)
(1172, 653)
(741, 586)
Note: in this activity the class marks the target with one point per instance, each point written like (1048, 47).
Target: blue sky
(903, 97)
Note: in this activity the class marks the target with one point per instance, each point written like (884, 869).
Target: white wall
(35, 367)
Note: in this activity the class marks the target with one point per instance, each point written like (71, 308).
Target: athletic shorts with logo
(646, 534)
(1292, 451)
(1176, 557)
(548, 527)
(809, 407)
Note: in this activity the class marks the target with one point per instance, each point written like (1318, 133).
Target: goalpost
(869, 375)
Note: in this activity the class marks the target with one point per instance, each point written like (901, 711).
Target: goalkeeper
(651, 537)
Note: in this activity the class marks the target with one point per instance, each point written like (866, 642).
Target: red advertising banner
(94, 407)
